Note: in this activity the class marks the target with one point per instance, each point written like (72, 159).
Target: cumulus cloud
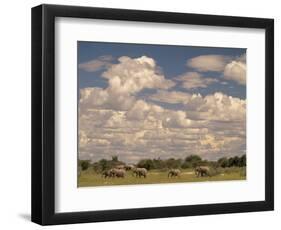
(104, 99)
(206, 63)
(171, 97)
(214, 124)
(125, 79)
(193, 80)
(131, 75)
(232, 68)
(236, 71)
(217, 106)
(100, 63)
(115, 121)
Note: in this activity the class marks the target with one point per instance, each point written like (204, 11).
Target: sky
(141, 101)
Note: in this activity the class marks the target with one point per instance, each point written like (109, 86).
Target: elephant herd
(121, 170)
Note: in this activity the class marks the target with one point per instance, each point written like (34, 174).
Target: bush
(114, 158)
(194, 160)
(242, 161)
(223, 162)
(173, 163)
(232, 161)
(84, 165)
(222, 165)
(146, 163)
(186, 165)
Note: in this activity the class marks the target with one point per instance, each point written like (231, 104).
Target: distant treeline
(190, 161)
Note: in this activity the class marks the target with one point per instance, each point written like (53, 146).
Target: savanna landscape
(161, 171)
(150, 114)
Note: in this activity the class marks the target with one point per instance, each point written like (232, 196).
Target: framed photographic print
(141, 114)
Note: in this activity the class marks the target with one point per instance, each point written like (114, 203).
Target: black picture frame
(43, 114)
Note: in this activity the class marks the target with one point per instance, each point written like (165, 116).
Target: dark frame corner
(43, 121)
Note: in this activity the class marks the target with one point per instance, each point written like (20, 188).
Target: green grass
(91, 178)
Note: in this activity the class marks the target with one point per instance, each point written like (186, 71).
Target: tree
(233, 161)
(194, 160)
(173, 163)
(84, 164)
(146, 163)
(114, 158)
(223, 162)
(158, 163)
(186, 165)
(103, 164)
(242, 161)
(236, 161)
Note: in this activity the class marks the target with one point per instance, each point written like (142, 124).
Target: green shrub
(84, 165)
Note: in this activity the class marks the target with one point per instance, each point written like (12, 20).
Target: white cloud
(236, 71)
(217, 106)
(139, 111)
(206, 63)
(114, 121)
(193, 80)
(125, 79)
(97, 64)
(172, 97)
(104, 99)
(210, 126)
(131, 75)
(232, 68)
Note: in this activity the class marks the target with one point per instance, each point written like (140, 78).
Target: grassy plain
(91, 178)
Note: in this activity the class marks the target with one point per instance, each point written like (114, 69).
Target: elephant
(139, 172)
(174, 173)
(202, 171)
(119, 173)
(108, 173)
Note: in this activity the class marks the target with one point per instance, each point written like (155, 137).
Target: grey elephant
(119, 173)
(140, 172)
(174, 173)
(202, 171)
(107, 173)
